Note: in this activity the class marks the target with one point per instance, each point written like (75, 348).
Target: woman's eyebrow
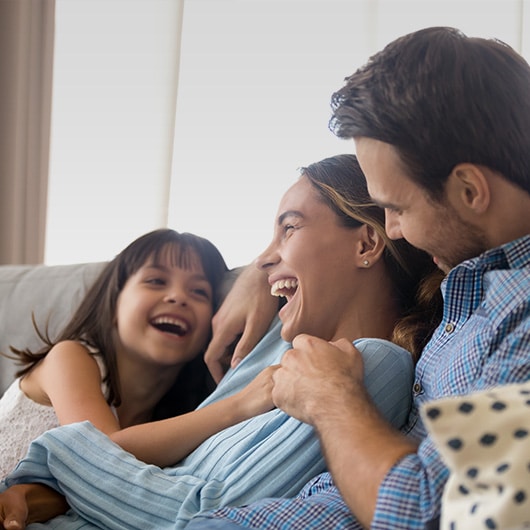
(289, 213)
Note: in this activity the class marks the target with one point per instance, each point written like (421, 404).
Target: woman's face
(311, 263)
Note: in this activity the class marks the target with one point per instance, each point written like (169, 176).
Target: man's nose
(392, 225)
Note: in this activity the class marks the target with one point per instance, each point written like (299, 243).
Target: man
(441, 128)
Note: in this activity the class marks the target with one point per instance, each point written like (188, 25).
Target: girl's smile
(164, 313)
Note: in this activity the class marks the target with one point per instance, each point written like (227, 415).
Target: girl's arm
(69, 380)
(166, 442)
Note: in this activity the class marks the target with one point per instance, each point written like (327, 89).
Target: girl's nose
(176, 297)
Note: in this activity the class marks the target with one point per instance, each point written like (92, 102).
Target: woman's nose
(267, 258)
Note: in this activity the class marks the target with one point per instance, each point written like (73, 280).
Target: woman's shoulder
(383, 349)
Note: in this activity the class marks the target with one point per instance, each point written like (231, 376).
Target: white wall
(253, 105)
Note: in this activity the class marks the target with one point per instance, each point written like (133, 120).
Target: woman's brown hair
(341, 184)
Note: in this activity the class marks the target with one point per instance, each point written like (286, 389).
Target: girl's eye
(288, 228)
(203, 293)
(156, 281)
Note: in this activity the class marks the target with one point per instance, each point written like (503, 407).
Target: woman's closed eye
(288, 228)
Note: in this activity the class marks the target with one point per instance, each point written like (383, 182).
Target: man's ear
(370, 247)
(468, 188)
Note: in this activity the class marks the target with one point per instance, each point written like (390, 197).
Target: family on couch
(328, 256)
(439, 122)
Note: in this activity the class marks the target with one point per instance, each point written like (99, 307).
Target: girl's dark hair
(342, 186)
(92, 322)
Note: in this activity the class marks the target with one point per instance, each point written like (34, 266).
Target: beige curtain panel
(26, 64)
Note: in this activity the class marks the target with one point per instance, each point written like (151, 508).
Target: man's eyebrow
(384, 205)
(289, 213)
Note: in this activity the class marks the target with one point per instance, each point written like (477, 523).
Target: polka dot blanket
(484, 439)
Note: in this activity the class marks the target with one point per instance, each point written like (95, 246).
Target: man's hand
(241, 321)
(322, 383)
(29, 503)
(316, 377)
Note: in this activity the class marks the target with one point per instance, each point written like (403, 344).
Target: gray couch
(51, 293)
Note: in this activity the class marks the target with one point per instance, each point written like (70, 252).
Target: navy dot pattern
(484, 439)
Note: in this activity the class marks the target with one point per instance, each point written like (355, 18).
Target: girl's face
(311, 263)
(164, 312)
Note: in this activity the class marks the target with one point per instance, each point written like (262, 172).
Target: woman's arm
(23, 504)
(242, 320)
(166, 442)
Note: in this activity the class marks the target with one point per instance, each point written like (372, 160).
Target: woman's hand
(23, 504)
(241, 321)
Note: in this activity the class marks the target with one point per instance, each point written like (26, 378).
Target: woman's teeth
(284, 287)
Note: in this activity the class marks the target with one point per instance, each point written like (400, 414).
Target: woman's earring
(366, 263)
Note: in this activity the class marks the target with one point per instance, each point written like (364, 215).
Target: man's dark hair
(441, 98)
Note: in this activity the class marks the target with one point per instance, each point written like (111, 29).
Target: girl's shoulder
(69, 347)
(66, 360)
(69, 355)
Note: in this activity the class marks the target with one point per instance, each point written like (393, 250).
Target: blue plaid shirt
(483, 341)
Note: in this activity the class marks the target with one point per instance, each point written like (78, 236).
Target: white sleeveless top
(22, 420)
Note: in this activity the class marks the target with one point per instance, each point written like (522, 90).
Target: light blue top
(269, 455)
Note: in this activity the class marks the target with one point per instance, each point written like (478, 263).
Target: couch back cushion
(51, 293)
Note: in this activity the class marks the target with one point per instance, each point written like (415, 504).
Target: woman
(341, 278)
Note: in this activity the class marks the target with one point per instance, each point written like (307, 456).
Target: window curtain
(26, 63)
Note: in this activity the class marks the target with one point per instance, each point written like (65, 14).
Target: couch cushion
(52, 293)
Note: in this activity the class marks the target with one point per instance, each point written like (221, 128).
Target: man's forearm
(360, 448)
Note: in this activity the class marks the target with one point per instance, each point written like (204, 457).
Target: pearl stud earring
(366, 263)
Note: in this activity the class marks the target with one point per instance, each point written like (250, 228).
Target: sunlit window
(205, 132)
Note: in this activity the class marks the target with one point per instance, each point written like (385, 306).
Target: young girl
(130, 350)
